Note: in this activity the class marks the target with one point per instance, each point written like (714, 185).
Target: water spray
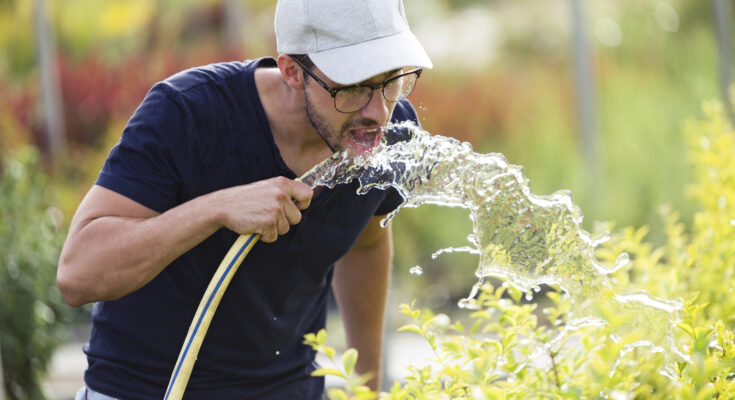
(524, 239)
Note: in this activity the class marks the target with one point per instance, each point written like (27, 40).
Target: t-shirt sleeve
(404, 111)
(148, 162)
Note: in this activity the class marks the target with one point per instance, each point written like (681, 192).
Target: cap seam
(372, 14)
(309, 24)
(355, 43)
(402, 12)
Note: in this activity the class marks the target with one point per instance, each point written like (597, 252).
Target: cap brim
(358, 62)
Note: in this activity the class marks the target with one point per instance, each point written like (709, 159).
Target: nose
(377, 109)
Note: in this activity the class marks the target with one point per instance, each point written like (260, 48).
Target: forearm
(116, 245)
(361, 281)
(108, 257)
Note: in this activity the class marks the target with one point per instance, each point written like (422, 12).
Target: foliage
(354, 382)
(32, 312)
(514, 350)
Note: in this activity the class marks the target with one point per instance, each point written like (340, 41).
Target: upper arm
(102, 202)
(372, 234)
(152, 159)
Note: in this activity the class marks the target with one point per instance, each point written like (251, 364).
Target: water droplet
(275, 318)
(529, 295)
(732, 222)
(278, 353)
(623, 260)
(417, 270)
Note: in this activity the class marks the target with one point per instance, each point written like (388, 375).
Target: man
(212, 153)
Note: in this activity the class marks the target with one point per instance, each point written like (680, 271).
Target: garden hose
(205, 312)
(218, 285)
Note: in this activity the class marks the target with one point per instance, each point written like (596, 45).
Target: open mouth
(363, 140)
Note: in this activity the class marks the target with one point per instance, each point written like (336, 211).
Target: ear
(290, 71)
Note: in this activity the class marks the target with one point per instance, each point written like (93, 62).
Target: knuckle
(270, 224)
(281, 196)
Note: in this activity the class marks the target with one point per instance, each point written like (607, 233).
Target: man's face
(360, 130)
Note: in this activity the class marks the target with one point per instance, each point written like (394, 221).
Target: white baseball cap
(349, 40)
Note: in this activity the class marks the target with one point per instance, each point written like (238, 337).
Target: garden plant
(32, 315)
(508, 348)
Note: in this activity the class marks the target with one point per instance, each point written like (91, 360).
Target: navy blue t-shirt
(199, 131)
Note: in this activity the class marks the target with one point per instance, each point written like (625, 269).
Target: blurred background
(590, 96)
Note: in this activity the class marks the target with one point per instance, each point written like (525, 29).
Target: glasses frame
(333, 91)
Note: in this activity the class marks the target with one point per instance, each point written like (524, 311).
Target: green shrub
(31, 308)
(516, 350)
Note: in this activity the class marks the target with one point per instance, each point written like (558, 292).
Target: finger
(293, 215)
(269, 237)
(302, 205)
(282, 224)
(269, 231)
(301, 194)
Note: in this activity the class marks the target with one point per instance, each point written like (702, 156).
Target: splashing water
(524, 239)
(416, 270)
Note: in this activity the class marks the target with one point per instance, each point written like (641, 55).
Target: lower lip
(363, 142)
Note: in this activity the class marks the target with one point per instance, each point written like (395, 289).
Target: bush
(31, 309)
(513, 351)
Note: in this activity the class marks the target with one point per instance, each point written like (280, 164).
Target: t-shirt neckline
(267, 62)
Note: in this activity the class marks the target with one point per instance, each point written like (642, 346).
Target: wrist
(210, 207)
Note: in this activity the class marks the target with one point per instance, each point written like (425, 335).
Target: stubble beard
(320, 125)
(332, 138)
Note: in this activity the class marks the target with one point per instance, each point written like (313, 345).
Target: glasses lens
(399, 87)
(354, 98)
(351, 99)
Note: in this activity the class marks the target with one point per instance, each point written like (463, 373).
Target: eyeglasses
(354, 98)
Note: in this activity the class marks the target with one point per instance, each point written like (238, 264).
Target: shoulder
(404, 111)
(207, 76)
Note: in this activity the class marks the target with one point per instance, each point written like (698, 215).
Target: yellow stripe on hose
(205, 312)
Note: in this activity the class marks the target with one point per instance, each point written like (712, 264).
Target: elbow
(69, 290)
(70, 285)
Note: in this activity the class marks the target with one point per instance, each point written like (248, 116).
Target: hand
(267, 207)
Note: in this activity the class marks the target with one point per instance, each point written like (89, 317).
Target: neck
(299, 144)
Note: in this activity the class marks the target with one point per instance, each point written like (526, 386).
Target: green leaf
(328, 371)
(328, 351)
(411, 328)
(337, 394)
(349, 358)
(321, 336)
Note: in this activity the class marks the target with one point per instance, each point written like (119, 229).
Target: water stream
(525, 239)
